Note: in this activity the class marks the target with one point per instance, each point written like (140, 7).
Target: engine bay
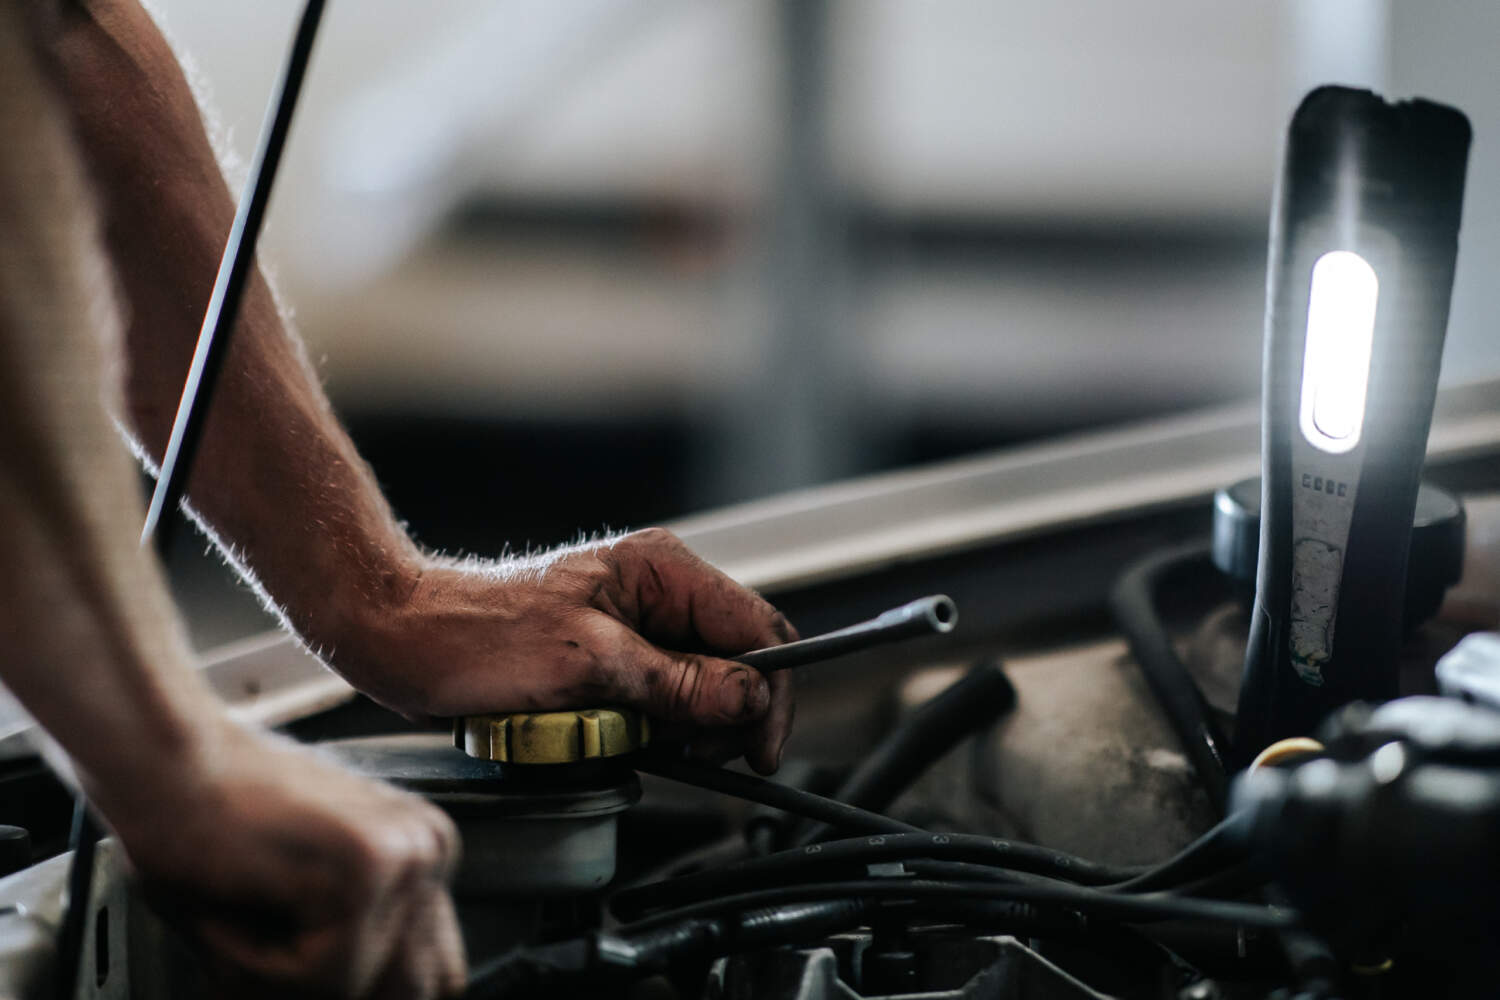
(1110, 717)
(1027, 822)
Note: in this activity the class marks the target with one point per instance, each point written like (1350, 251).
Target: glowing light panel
(1336, 364)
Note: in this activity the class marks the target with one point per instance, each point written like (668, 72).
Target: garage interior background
(603, 263)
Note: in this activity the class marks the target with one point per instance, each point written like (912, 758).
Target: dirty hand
(294, 873)
(638, 620)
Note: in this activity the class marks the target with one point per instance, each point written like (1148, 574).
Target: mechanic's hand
(295, 873)
(634, 621)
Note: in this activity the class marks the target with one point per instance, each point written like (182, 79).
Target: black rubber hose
(965, 871)
(974, 700)
(770, 793)
(786, 914)
(741, 921)
(83, 840)
(656, 948)
(766, 829)
(968, 871)
(1234, 882)
(772, 925)
(1120, 907)
(1211, 853)
(1133, 604)
(801, 864)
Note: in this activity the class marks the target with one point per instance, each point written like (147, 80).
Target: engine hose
(976, 699)
(964, 871)
(1212, 852)
(766, 829)
(1235, 882)
(1133, 604)
(524, 971)
(1118, 907)
(800, 863)
(798, 921)
(758, 918)
(770, 793)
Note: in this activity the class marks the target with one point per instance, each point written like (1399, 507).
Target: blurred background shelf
(599, 264)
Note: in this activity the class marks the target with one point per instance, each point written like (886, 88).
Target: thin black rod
(83, 839)
(1211, 855)
(801, 865)
(1112, 906)
(770, 793)
(973, 701)
(1212, 852)
(925, 616)
(234, 270)
(1133, 602)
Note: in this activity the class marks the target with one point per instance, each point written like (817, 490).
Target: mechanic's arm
(289, 867)
(279, 482)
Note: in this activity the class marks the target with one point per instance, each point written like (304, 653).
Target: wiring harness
(893, 873)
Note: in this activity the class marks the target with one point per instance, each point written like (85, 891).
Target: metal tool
(932, 615)
(1363, 242)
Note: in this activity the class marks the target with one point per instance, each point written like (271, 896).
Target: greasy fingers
(769, 736)
(681, 601)
(685, 687)
(639, 621)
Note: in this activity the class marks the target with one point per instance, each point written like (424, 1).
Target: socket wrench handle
(933, 615)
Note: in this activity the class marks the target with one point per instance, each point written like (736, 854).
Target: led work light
(1363, 240)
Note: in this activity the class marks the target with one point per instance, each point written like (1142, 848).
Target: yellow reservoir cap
(553, 737)
(1289, 750)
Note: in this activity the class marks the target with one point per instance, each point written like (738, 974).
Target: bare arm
(225, 820)
(277, 479)
(271, 443)
(92, 646)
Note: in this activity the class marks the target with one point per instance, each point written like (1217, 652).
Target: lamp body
(1383, 182)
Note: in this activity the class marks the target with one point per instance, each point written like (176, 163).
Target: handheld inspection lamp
(1360, 272)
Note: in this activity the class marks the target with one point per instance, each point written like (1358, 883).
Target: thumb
(686, 687)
